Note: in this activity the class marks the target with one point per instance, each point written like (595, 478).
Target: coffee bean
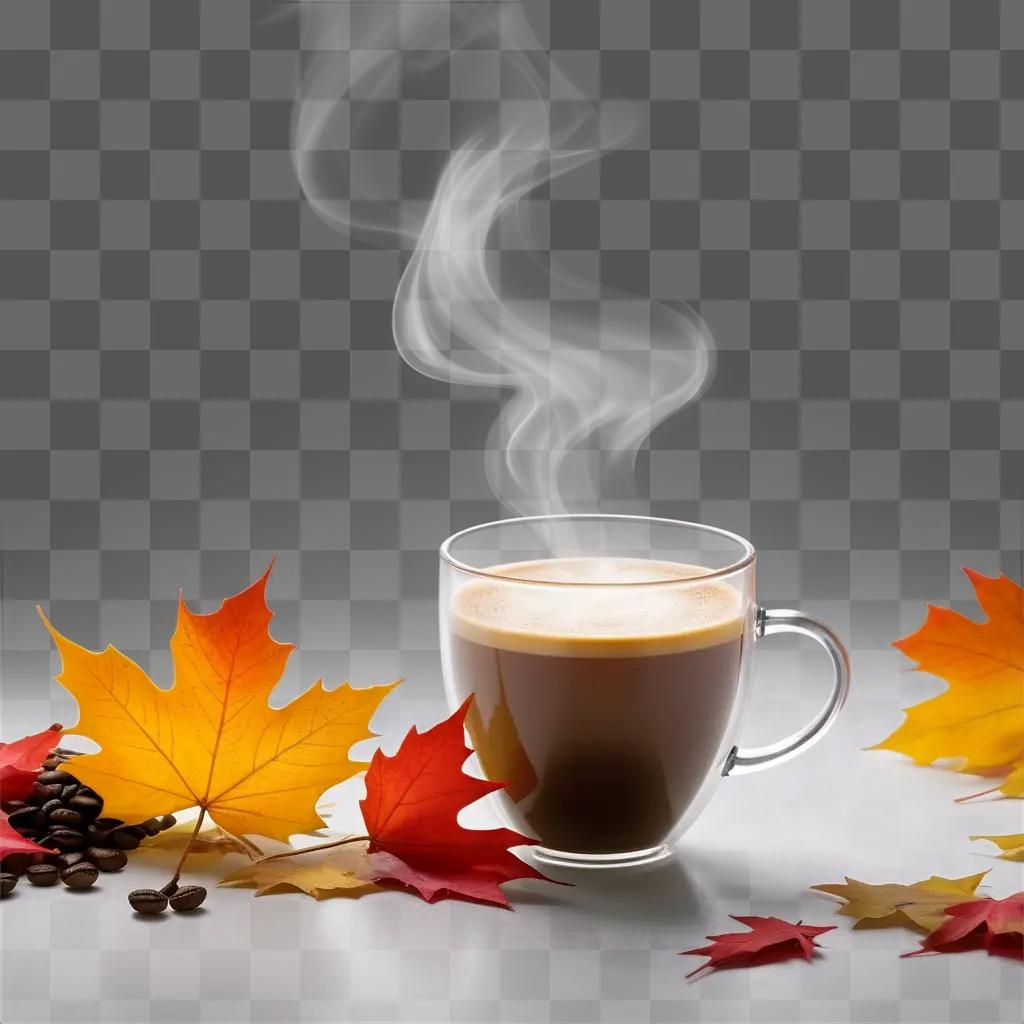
(43, 874)
(108, 823)
(87, 805)
(65, 816)
(69, 860)
(64, 839)
(124, 840)
(23, 818)
(10, 806)
(147, 901)
(151, 826)
(58, 778)
(44, 812)
(80, 876)
(97, 836)
(46, 792)
(16, 863)
(51, 762)
(50, 806)
(169, 889)
(188, 897)
(105, 858)
(168, 821)
(7, 883)
(69, 791)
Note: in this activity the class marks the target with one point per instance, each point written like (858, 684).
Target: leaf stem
(974, 796)
(188, 846)
(321, 846)
(252, 850)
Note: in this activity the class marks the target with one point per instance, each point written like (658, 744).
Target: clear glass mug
(609, 658)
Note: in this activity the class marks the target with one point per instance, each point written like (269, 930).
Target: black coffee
(604, 708)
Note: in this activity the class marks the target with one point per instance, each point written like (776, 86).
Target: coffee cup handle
(783, 620)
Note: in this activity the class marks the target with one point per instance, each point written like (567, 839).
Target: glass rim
(747, 559)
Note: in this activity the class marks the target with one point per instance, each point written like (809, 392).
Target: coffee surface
(604, 707)
(597, 607)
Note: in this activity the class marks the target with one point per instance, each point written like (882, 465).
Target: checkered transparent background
(196, 373)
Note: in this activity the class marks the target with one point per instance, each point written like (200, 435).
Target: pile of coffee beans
(64, 816)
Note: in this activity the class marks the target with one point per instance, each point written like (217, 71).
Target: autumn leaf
(979, 719)
(996, 926)
(20, 762)
(12, 842)
(324, 874)
(1011, 845)
(411, 808)
(768, 941)
(212, 740)
(919, 905)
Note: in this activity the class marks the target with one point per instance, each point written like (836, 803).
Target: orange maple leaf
(979, 719)
(212, 740)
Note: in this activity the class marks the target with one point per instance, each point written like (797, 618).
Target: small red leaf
(411, 812)
(20, 761)
(12, 842)
(768, 941)
(996, 926)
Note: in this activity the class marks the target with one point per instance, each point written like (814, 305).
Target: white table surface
(604, 949)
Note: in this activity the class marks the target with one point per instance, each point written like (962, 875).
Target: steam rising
(591, 370)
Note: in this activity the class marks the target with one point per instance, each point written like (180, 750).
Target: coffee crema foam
(581, 618)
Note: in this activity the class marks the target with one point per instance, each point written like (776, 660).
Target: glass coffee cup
(609, 658)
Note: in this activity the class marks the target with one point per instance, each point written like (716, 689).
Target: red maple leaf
(411, 809)
(768, 941)
(997, 926)
(12, 842)
(20, 761)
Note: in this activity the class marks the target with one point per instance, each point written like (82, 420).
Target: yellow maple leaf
(979, 719)
(918, 905)
(342, 871)
(212, 740)
(1011, 845)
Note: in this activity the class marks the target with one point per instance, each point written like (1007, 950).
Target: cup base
(633, 859)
